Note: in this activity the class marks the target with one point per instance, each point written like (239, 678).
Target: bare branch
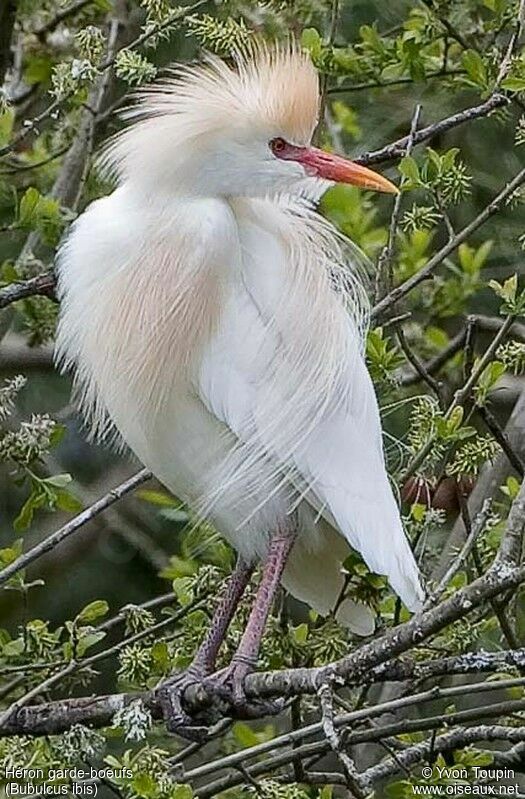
(359, 87)
(448, 742)
(506, 62)
(397, 148)
(74, 525)
(60, 16)
(355, 668)
(43, 285)
(353, 780)
(459, 560)
(432, 366)
(422, 274)
(384, 277)
(503, 440)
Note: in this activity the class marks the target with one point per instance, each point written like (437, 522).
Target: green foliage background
(379, 62)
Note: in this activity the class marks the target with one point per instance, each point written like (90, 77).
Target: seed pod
(448, 491)
(417, 489)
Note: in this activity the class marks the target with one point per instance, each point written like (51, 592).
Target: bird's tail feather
(373, 527)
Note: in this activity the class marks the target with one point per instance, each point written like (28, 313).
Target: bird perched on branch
(216, 322)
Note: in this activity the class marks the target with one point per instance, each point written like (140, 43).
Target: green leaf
(38, 69)
(58, 480)
(436, 336)
(482, 253)
(68, 502)
(244, 734)
(508, 290)
(179, 567)
(511, 487)
(10, 274)
(89, 640)
(455, 419)
(6, 126)
(410, 170)
(372, 39)
(59, 431)
(25, 517)
(475, 68)
(13, 648)
(28, 207)
(95, 610)
(160, 655)
(300, 633)
(311, 41)
(181, 792)
(347, 118)
(157, 498)
(514, 84)
(182, 590)
(7, 556)
(418, 512)
(491, 374)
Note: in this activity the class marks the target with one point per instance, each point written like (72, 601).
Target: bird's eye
(277, 146)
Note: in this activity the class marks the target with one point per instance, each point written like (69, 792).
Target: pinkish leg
(207, 653)
(245, 659)
(171, 690)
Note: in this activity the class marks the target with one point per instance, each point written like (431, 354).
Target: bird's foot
(228, 684)
(170, 693)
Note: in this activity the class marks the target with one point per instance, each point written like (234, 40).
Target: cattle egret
(215, 323)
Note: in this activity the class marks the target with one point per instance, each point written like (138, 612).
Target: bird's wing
(286, 375)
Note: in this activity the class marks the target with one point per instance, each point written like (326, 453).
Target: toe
(170, 695)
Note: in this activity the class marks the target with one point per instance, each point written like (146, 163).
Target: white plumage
(216, 323)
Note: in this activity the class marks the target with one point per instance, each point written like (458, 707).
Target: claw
(170, 693)
(229, 684)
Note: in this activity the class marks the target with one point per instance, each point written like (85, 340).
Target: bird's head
(214, 129)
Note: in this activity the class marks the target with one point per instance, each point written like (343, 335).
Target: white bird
(216, 322)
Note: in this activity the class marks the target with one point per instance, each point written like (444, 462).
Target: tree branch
(43, 285)
(422, 274)
(74, 525)
(353, 669)
(448, 742)
(397, 148)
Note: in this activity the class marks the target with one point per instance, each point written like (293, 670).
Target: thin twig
(397, 149)
(65, 13)
(418, 365)
(461, 557)
(506, 62)
(77, 523)
(447, 742)
(353, 781)
(324, 81)
(359, 87)
(384, 276)
(461, 395)
(422, 274)
(503, 440)
(364, 736)
(433, 365)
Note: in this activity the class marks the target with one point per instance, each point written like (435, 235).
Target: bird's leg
(244, 660)
(170, 692)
